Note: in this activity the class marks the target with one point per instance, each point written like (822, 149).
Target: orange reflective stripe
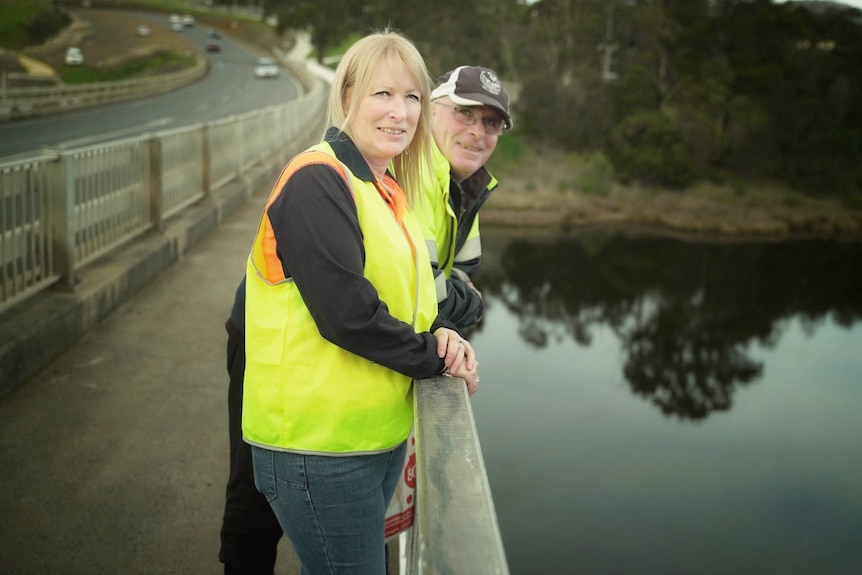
(396, 200)
(264, 250)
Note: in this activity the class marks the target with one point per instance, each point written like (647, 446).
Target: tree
(328, 21)
(448, 33)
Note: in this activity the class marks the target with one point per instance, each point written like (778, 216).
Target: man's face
(467, 147)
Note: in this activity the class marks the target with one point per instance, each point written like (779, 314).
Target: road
(228, 88)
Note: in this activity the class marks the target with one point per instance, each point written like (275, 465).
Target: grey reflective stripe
(307, 452)
(471, 249)
(440, 285)
(461, 275)
(432, 252)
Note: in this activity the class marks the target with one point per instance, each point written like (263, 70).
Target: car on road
(188, 21)
(144, 31)
(215, 34)
(176, 22)
(74, 57)
(213, 46)
(265, 68)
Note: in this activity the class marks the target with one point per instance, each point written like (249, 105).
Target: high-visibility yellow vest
(303, 393)
(439, 222)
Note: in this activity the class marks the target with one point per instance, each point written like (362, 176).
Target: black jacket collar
(347, 153)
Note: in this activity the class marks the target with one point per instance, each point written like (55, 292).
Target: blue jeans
(331, 508)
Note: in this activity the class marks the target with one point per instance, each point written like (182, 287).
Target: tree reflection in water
(686, 313)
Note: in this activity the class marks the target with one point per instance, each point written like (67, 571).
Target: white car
(144, 31)
(176, 22)
(188, 21)
(74, 57)
(265, 68)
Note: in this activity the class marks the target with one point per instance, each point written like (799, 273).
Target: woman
(341, 315)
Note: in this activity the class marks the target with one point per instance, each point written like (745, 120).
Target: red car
(213, 46)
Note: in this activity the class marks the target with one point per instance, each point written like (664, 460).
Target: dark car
(213, 46)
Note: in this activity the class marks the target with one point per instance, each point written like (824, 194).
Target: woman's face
(385, 119)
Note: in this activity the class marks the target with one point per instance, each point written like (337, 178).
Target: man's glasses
(469, 116)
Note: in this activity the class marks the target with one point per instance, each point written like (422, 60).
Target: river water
(657, 406)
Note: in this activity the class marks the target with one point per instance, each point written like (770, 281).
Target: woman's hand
(454, 349)
(459, 357)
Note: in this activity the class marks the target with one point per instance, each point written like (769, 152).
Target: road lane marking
(77, 142)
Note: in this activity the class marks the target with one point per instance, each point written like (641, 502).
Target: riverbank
(763, 211)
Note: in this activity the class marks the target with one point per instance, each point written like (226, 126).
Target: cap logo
(490, 82)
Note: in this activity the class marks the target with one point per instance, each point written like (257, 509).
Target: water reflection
(685, 313)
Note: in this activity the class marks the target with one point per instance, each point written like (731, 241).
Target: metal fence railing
(61, 211)
(26, 234)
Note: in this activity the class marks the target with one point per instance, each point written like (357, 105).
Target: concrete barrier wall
(18, 103)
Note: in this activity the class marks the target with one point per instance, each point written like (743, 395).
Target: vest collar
(346, 152)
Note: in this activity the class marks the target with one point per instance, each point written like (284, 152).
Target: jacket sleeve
(462, 305)
(316, 227)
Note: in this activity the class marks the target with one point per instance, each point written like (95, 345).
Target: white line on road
(157, 123)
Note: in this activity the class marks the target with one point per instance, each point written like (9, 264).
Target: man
(250, 532)
(470, 111)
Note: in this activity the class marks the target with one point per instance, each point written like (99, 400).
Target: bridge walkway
(114, 456)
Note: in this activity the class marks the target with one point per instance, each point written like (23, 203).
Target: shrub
(597, 175)
(647, 147)
(508, 155)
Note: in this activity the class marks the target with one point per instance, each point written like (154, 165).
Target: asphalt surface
(228, 88)
(114, 458)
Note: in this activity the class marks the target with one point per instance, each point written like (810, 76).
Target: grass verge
(24, 22)
(160, 62)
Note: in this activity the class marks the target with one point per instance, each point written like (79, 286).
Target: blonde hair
(355, 73)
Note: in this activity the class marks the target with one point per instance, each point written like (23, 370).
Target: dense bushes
(647, 147)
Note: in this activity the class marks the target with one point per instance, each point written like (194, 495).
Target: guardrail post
(206, 161)
(240, 145)
(63, 220)
(155, 182)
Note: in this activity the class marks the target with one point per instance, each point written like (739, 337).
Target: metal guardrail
(59, 212)
(455, 527)
(25, 102)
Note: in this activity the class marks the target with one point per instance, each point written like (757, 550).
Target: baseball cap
(474, 86)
